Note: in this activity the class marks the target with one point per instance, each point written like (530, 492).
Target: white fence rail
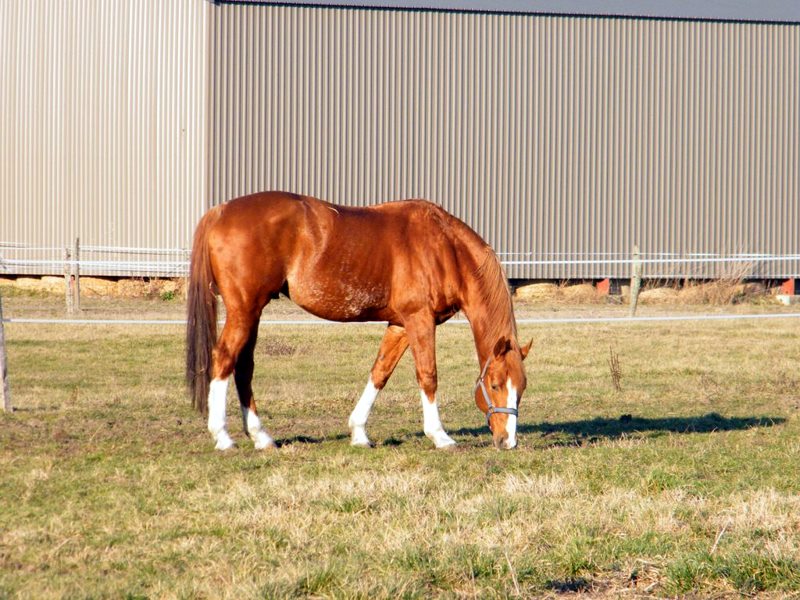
(174, 262)
(525, 321)
(177, 265)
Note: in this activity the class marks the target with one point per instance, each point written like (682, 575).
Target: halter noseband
(491, 408)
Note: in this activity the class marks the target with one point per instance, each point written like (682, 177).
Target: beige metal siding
(551, 136)
(554, 137)
(104, 134)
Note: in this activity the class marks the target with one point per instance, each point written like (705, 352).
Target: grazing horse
(408, 263)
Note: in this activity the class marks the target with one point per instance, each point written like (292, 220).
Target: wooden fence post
(636, 280)
(187, 255)
(5, 392)
(76, 275)
(68, 281)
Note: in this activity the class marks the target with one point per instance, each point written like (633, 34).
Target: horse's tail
(201, 317)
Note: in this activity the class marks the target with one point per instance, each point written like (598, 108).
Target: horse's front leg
(393, 346)
(422, 339)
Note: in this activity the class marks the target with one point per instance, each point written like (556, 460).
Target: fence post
(187, 255)
(636, 280)
(68, 281)
(5, 392)
(76, 275)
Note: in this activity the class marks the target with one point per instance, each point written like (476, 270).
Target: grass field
(685, 482)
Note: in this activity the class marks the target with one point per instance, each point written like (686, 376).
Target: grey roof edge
(746, 11)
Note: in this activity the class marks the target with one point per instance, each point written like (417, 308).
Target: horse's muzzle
(501, 442)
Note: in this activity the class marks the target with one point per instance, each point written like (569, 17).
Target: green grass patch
(684, 483)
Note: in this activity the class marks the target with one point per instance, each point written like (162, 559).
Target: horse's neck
(485, 336)
(491, 318)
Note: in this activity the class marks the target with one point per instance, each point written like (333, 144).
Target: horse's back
(305, 212)
(338, 262)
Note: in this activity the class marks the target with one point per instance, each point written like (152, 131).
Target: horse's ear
(502, 346)
(525, 349)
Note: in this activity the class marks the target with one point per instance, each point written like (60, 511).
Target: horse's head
(499, 390)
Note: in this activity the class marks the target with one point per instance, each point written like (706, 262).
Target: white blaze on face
(511, 423)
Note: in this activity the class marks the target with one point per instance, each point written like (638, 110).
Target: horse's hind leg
(393, 346)
(243, 376)
(234, 338)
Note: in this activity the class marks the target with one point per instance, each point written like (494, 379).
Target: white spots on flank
(349, 298)
(360, 414)
(511, 423)
(432, 425)
(217, 396)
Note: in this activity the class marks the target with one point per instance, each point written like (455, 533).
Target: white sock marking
(360, 414)
(511, 423)
(261, 439)
(217, 398)
(432, 425)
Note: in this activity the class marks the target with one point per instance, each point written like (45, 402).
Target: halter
(491, 407)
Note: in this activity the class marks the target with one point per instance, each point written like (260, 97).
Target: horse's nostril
(500, 440)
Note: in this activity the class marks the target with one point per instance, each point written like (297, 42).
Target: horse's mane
(497, 298)
(489, 276)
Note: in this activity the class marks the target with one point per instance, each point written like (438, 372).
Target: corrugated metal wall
(551, 136)
(104, 123)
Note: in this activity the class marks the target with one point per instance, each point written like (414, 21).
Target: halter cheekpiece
(491, 407)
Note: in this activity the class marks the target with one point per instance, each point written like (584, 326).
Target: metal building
(104, 125)
(556, 135)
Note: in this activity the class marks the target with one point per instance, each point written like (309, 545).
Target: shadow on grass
(306, 439)
(576, 433)
(572, 585)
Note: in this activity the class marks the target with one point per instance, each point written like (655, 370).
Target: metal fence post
(68, 281)
(5, 392)
(76, 275)
(636, 280)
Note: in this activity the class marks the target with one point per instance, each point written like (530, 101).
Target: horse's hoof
(264, 442)
(358, 437)
(224, 443)
(362, 444)
(440, 439)
(444, 442)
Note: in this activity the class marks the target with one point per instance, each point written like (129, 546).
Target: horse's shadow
(307, 439)
(584, 431)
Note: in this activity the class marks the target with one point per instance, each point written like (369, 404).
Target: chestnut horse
(408, 263)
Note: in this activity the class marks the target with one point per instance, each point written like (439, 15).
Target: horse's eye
(495, 387)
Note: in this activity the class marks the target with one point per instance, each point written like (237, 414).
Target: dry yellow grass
(684, 482)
